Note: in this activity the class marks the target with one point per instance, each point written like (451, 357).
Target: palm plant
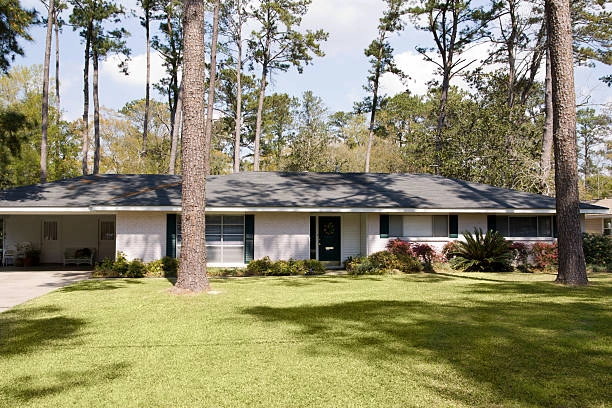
(480, 252)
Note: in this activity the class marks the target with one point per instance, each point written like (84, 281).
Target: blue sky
(337, 78)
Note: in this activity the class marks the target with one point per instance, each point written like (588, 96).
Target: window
(418, 225)
(524, 226)
(225, 238)
(107, 230)
(50, 230)
(607, 226)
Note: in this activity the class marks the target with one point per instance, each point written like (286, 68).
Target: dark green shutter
(384, 226)
(453, 226)
(491, 222)
(555, 227)
(249, 238)
(171, 235)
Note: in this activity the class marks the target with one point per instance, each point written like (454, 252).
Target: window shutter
(171, 235)
(555, 227)
(491, 222)
(384, 226)
(453, 226)
(249, 238)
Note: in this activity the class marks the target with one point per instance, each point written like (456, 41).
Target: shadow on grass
(27, 389)
(101, 284)
(25, 330)
(535, 353)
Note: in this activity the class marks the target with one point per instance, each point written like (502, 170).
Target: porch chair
(8, 257)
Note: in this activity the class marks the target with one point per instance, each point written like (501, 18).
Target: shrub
(384, 260)
(409, 264)
(266, 267)
(170, 266)
(399, 247)
(425, 253)
(155, 269)
(121, 265)
(480, 252)
(448, 250)
(597, 249)
(136, 269)
(105, 269)
(545, 255)
(520, 255)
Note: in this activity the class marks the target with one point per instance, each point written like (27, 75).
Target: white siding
(141, 235)
(351, 235)
(22, 228)
(282, 236)
(375, 242)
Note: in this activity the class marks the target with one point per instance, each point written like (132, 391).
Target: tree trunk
(192, 270)
(176, 130)
(45, 96)
(547, 137)
(260, 103)
(145, 128)
(572, 268)
(96, 101)
(85, 145)
(238, 128)
(372, 121)
(57, 65)
(212, 78)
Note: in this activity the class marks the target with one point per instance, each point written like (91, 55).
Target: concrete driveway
(18, 285)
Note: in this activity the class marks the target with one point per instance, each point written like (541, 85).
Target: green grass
(425, 340)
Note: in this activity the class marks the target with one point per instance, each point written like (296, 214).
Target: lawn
(424, 340)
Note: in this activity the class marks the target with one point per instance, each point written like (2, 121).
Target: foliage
(267, 267)
(520, 255)
(597, 249)
(480, 252)
(14, 24)
(448, 251)
(154, 269)
(136, 269)
(407, 251)
(170, 266)
(383, 262)
(545, 255)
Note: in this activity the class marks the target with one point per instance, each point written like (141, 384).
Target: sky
(337, 78)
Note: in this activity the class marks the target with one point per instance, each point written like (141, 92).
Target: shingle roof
(268, 189)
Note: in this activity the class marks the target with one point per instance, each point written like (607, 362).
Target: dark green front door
(329, 239)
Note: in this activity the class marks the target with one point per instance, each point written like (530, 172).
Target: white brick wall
(141, 235)
(282, 236)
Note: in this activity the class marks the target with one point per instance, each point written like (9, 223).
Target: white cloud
(137, 68)
(350, 27)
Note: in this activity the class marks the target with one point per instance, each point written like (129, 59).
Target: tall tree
(454, 25)
(212, 79)
(381, 60)
(592, 130)
(169, 44)
(91, 16)
(45, 94)
(234, 18)
(572, 267)
(277, 45)
(14, 24)
(148, 8)
(192, 270)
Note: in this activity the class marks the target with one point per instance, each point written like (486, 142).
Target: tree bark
(85, 145)
(547, 136)
(572, 268)
(176, 130)
(238, 128)
(45, 96)
(96, 101)
(212, 78)
(145, 128)
(57, 64)
(192, 270)
(260, 103)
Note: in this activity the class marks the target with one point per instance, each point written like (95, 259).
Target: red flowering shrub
(447, 251)
(545, 255)
(399, 247)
